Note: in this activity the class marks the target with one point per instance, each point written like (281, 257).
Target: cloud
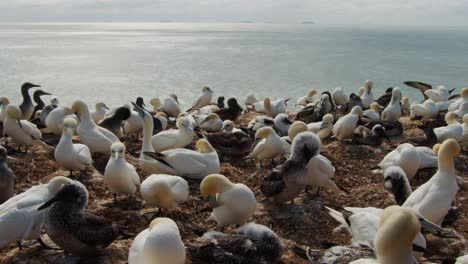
(395, 12)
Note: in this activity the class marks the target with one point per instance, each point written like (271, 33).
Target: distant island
(308, 22)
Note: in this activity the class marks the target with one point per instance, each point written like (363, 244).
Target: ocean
(116, 62)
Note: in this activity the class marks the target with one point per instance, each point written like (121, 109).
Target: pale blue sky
(373, 12)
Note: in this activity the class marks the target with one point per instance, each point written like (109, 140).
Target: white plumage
(99, 112)
(21, 131)
(203, 99)
(452, 130)
(120, 176)
(434, 198)
(54, 120)
(164, 191)
(174, 138)
(19, 217)
(159, 244)
(404, 156)
(367, 97)
(427, 110)
(323, 129)
(269, 145)
(339, 97)
(393, 111)
(344, 127)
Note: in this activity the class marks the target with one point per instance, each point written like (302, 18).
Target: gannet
(7, 178)
(211, 123)
(164, 191)
(39, 103)
(315, 112)
(98, 139)
(260, 121)
(463, 99)
(170, 105)
(73, 229)
(404, 156)
(367, 97)
(22, 132)
(160, 244)
(397, 183)
(233, 203)
(452, 130)
(440, 94)
(427, 110)
(203, 99)
(54, 121)
(371, 114)
(4, 102)
(250, 100)
(393, 242)
(267, 145)
(434, 198)
(250, 243)
(287, 181)
(19, 218)
(323, 129)
(99, 112)
(307, 99)
(27, 106)
(185, 162)
(47, 109)
(273, 108)
(162, 116)
(405, 105)
(69, 155)
(464, 141)
(282, 124)
(462, 110)
(230, 141)
(114, 122)
(372, 137)
(385, 99)
(233, 110)
(339, 97)
(120, 176)
(174, 138)
(344, 127)
(133, 125)
(393, 111)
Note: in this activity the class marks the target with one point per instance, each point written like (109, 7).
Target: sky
(362, 12)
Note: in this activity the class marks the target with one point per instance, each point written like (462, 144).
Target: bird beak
(116, 155)
(287, 99)
(19, 123)
(323, 126)
(204, 121)
(106, 107)
(35, 85)
(47, 204)
(46, 93)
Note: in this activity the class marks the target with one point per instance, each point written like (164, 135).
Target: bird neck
(147, 134)
(446, 163)
(38, 100)
(25, 94)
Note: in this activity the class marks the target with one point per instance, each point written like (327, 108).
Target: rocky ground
(304, 226)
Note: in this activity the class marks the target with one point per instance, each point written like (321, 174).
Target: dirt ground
(305, 225)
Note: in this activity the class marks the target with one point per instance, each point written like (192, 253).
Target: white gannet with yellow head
(100, 110)
(393, 110)
(323, 129)
(308, 98)
(22, 132)
(463, 99)
(170, 105)
(393, 242)
(160, 244)
(405, 105)
(174, 138)
(404, 156)
(19, 217)
(452, 130)
(233, 203)
(439, 94)
(344, 127)
(462, 110)
(69, 155)
(295, 128)
(164, 191)
(98, 139)
(273, 108)
(434, 198)
(367, 97)
(120, 176)
(4, 102)
(204, 99)
(211, 123)
(267, 145)
(339, 97)
(54, 120)
(371, 114)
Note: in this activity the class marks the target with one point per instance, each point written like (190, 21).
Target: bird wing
(108, 134)
(83, 154)
(95, 230)
(31, 129)
(164, 140)
(134, 175)
(180, 188)
(420, 86)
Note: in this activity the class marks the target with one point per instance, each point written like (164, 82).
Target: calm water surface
(118, 62)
